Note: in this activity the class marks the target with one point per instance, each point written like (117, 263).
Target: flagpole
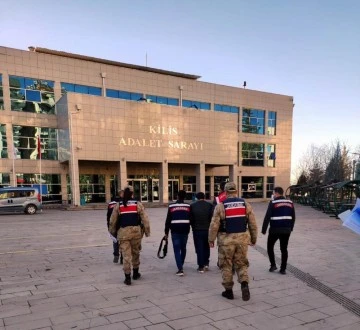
(39, 152)
(13, 165)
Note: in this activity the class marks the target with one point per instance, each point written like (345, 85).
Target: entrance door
(173, 189)
(155, 190)
(140, 189)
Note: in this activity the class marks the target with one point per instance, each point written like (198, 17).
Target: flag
(39, 146)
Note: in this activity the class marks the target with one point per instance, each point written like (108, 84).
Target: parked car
(20, 199)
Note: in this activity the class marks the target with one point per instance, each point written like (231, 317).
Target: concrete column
(74, 175)
(200, 177)
(107, 188)
(64, 195)
(264, 186)
(212, 187)
(164, 183)
(122, 174)
(234, 176)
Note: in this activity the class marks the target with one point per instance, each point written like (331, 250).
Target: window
(271, 123)
(196, 105)
(82, 89)
(271, 156)
(32, 95)
(163, 100)
(189, 185)
(252, 154)
(253, 121)
(1, 94)
(3, 142)
(226, 108)
(123, 95)
(270, 185)
(92, 187)
(252, 186)
(26, 142)
(50, 185)
(4, 180)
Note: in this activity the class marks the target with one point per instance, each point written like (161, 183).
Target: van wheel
(30, 209)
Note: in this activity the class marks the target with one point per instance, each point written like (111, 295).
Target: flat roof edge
(110, 62)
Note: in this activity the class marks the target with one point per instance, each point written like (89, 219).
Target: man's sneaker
(206, 268)
(116, 259)
(282, 271)
(180, 273)
(245, 291)
(200, 270)
(272, 268)
(228, 293)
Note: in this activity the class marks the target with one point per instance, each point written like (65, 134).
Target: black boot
(121, 259)
(136, 274)
(127, 279)
(228, 293)
(245, 291)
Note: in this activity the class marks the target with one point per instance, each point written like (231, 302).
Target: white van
(20, 199)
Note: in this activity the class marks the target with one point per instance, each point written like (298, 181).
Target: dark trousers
(202, 247)
(116, 248)
(284, 240)
(179, 244)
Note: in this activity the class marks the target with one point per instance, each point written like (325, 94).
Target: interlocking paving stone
(79, 287)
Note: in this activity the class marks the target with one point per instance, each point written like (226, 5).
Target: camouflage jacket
(234, 238)
(131, 232)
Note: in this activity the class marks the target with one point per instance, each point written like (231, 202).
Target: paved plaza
(56, 272)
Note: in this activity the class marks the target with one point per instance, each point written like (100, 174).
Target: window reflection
(92, 188)
(252, 186)
(4, 180)
(123, 95)
(271, 156)
(3, 142)
(82, 89)
(163, 100)
(26, 142)
(50, 185)
(196, 104)
(270, 185)
(32, 95)
(252, 154)
(272, 123)
(226, 108)
(253, 121)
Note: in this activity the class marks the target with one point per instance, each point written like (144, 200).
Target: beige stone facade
(159, 148)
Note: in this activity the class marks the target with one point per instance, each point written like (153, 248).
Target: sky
(308, 49)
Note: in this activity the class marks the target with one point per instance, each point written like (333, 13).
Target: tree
(302, 180)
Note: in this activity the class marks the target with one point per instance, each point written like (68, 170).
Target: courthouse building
(81, 127)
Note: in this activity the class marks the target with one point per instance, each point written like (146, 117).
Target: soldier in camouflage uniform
(234, 225)
(132, 218)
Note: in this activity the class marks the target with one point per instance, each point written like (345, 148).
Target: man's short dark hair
(200, 195)
(181, 195)
(279, 190)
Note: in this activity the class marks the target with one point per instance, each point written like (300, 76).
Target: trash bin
(82, 200)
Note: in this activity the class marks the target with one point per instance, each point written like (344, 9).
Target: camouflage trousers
(131, 253)
(233, 255)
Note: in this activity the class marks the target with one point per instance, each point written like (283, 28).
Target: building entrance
(173, 186)
(145, 190)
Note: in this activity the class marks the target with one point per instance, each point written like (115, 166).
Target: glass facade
(252, 186)
(196, 105)
(253, 121)
(252, 154)
(82, 89)
(271, 156)
(92, 187)
(189, 185)
(32, 95)
(271, 123)
(1, 94)
(26, 142)
(124, 95)
(50, 185)
(226, 108)
(163, 100)
(270, 185)
(4, 180)
(3, 142)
